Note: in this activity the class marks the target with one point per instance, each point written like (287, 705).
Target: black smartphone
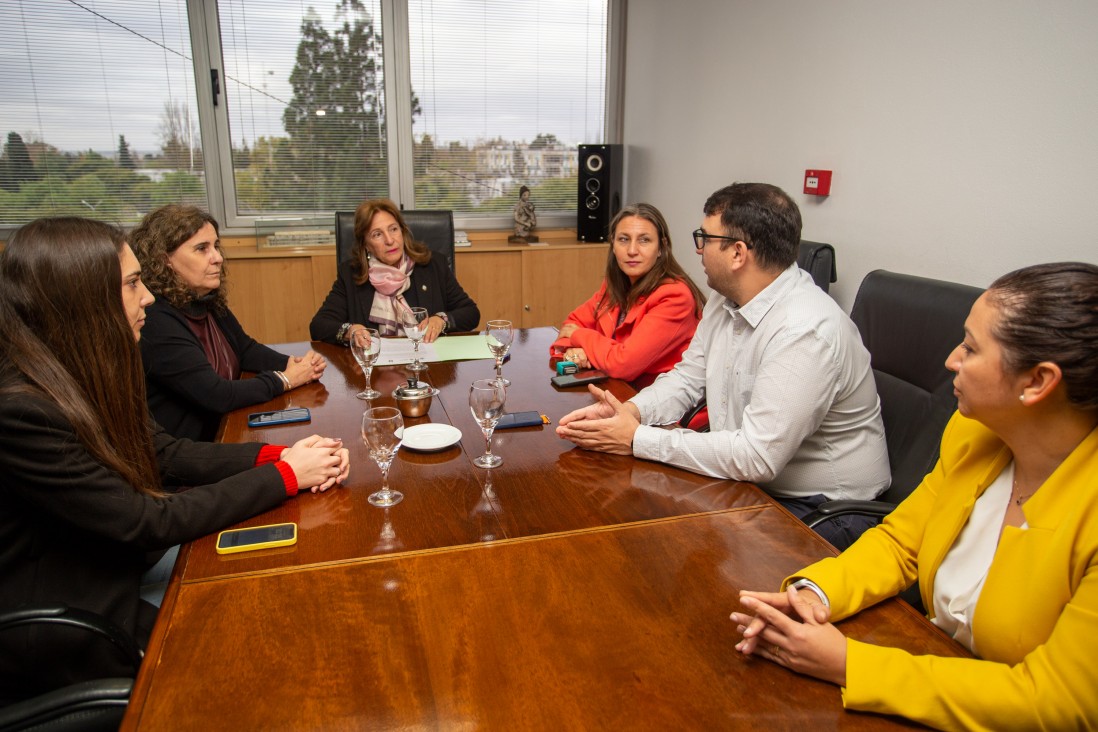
(520, 419)
(587, 376)
(279, 416)
(231, 541)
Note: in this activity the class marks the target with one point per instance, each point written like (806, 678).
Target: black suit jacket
(186, 396)
(433, 287)
(74, 532)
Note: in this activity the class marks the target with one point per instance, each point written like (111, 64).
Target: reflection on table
(564, 589)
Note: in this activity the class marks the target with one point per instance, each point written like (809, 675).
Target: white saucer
(431, 436)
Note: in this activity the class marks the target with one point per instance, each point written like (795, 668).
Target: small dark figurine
(525, 219)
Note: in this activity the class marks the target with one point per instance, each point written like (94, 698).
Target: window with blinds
(504, 92)
(286, 108)
(99, 115)
(304, 90)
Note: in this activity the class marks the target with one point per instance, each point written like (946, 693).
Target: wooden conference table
(563, 590)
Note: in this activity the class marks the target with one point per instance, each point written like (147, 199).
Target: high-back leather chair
(818, 259)
(435, 228)
(96, 704)
(909, 325)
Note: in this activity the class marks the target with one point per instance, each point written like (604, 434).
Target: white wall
(963, 134)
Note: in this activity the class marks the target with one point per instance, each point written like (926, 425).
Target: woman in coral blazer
(642, 318)
(1002, 535)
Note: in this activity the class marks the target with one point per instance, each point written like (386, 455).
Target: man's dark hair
(762, 216)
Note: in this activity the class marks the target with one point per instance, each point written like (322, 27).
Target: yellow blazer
(1035, 626)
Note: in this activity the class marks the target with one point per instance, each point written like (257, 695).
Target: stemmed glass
(414, 321)
(499, 334)
(382, 432)
(486, 398)
(365, 347)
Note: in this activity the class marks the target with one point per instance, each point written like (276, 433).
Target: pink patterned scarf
(389, 285)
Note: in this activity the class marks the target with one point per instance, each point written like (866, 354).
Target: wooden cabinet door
(555, 282)
(274, 299)
(494, 281)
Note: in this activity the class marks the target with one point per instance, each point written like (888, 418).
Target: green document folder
(461, 348)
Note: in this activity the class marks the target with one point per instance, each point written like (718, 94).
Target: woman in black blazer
(194, 349)
(387, 273)
(91, 486)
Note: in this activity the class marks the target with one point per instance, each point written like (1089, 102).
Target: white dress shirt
(792, 402)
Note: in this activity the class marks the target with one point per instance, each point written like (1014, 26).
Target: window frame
(214, 120)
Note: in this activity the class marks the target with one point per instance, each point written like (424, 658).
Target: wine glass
(486, 398)
(382, 432)
(365, 347)
(414, 321)
(499, 334)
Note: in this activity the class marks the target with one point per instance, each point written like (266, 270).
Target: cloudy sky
(78, 73)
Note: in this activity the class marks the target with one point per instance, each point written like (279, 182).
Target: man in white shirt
(792, 402)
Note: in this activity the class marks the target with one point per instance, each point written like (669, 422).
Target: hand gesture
(790, 628)
(606, 426)
(435, 326)
(359, 335)
(318, 462)
(577, 356)
(305, 369)
(598, 410)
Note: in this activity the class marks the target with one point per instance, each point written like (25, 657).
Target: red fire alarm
(817, 182)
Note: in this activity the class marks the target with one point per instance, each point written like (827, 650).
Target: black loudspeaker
(599, 190)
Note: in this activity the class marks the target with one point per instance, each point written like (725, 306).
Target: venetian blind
(99, 112)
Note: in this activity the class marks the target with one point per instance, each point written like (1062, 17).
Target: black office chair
(433, 228)
(98, 704)
(818, 259)
(909, 325)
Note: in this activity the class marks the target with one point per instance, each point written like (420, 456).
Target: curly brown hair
(364, 216)
(159, 234)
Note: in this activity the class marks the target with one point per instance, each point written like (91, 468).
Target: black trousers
(841, 531)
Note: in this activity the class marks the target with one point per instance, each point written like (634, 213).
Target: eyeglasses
(701, 239)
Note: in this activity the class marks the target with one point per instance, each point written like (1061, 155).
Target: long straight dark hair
(64, 329)
(622, 293)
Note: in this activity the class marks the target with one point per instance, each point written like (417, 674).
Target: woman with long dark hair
(90, 484)
(641, 320)
(193, 348)
(1002, 535)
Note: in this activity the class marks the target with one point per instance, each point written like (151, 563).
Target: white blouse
(961, 576)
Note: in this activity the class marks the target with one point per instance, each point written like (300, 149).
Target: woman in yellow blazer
(1002, 535)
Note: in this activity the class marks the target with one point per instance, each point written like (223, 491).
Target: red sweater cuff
(269, 454)
(288, 477)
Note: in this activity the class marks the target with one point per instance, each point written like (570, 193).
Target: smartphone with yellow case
(231, 541)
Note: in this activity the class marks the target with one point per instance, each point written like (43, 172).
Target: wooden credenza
(274, 293)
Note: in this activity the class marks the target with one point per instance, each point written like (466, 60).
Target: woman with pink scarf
(388, 272)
